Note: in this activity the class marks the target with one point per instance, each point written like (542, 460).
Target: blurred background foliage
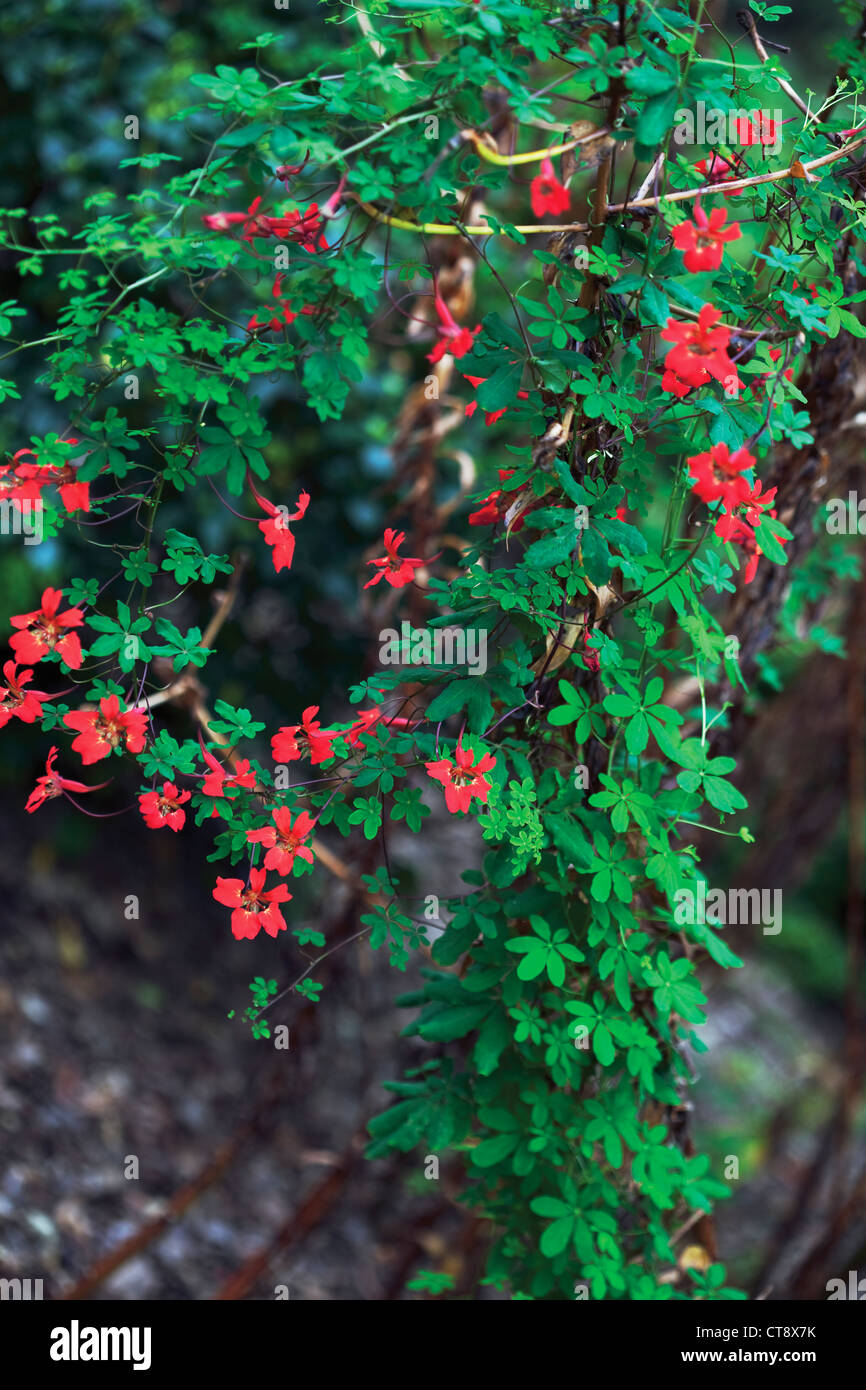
(69, 75)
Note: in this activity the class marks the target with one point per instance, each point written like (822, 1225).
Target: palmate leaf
(571, 710)
(471, 694)
(184, 648)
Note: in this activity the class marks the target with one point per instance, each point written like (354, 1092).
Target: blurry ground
(762, 1096)
(116, 1043)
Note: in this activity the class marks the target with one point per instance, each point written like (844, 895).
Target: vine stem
(797, 170)
(527, 156)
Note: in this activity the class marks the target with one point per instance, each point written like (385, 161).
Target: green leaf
(500, 390)
(492, 1151)
(453, 1022)
(571, 839)
(556, 1237)
(765, 534)
(654, 121)
(596, 556)
(602, 1045)
(722, 795)
(552, 550)
(654, 305)
(637, 733)
(493, 1037)
(471, 694)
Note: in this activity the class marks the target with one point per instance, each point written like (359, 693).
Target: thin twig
(796, 170)
(747, 21)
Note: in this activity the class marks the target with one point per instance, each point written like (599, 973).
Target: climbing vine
(616, 249)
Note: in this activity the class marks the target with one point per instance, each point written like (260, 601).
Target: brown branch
(800, 1206)
(808, 1281)
(225, 604)
(308, 1215)
(856, 712)
(182, 1200)
(747, 20)
(795, 170)
(589, 290)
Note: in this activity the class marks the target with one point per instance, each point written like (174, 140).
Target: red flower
(218, 780)
(75, 496)
(489, 512)
(495, 505)
(368, 719)
(288, 171)
(452, 338)
(702, 241)
(163, 808)
(757, 502)
(717, 475)
(396, 570)
(672, 383)
(303, 227)
(547, 193)
(283, 313)
(591, 658)
(100, 731)
(717, 170)
(731, 527)
(490, 416)
(462, 779)
(51, 784)
(253, 907)
(284, 841)
(699, 350)
(25, 705)
(276, 529)
(739, 532)
(307, 739)
(761, 130)
(10, 484)
(222, 221)
(19, 453)
(274, 324)
(45, 631)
